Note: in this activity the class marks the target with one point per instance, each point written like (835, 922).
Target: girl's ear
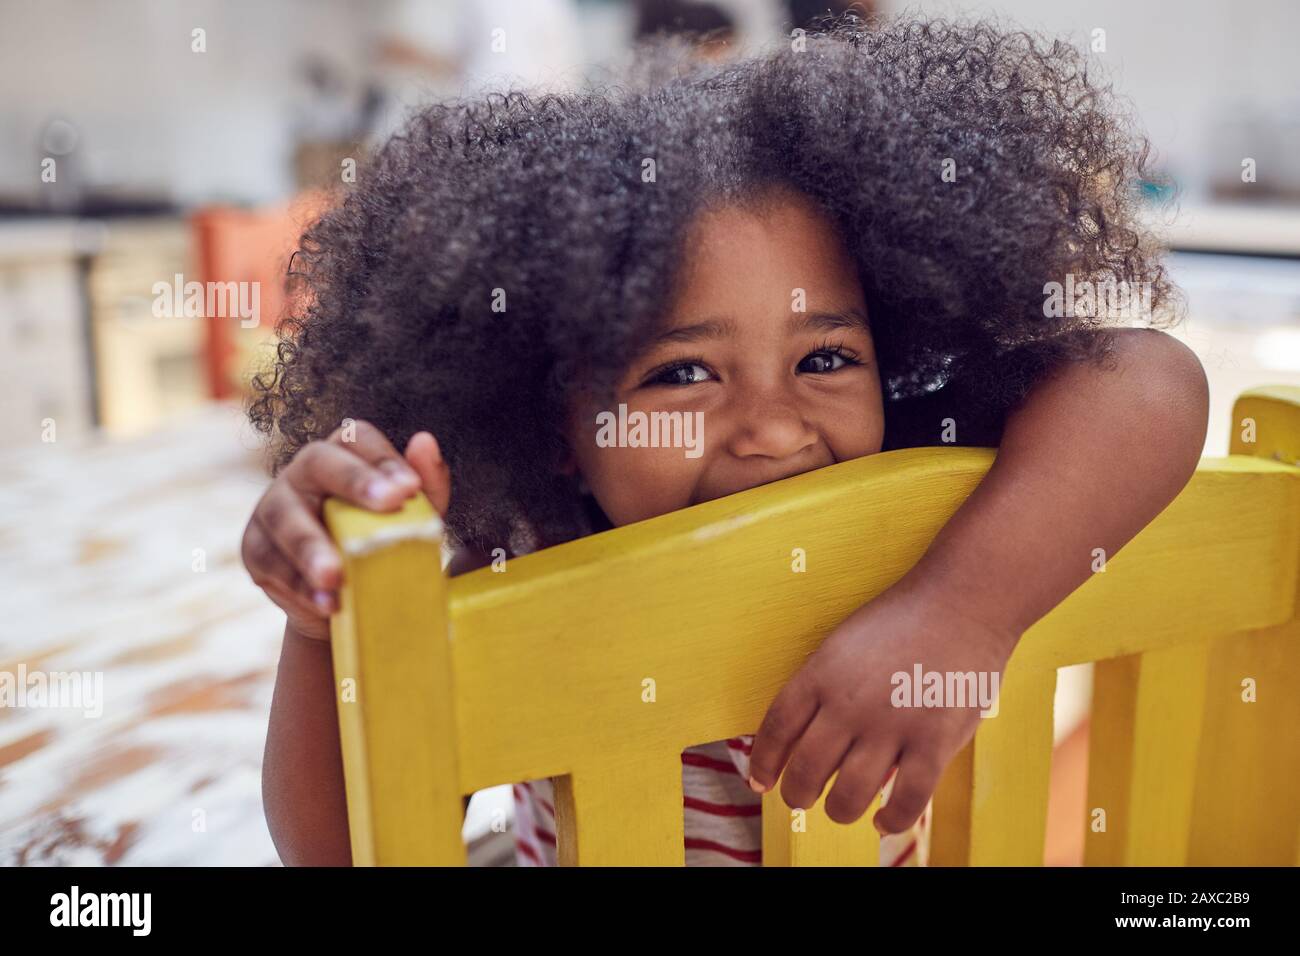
(569, 468)
(569, 461)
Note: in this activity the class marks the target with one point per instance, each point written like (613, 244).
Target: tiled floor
(123, 559)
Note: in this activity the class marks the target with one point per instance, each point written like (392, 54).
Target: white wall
(154, 115)
(1189, 67)
(151, 113)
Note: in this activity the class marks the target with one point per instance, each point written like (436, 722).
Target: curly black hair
(570, 210)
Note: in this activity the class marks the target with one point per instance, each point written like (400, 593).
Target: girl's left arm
(1086, 461)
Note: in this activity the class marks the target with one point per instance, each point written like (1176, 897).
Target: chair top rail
(549, 662)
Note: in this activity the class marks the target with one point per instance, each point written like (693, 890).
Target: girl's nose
(769, 425)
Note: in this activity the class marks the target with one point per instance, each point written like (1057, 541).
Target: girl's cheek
(855, 428)
(866, 436)
(633, 484)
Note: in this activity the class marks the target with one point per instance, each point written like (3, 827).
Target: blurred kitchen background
(147, 141)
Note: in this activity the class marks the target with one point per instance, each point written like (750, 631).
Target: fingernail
(399, 472)
(756, 786)
(323, 600)
(379, 489)
(437, 449)
(321, 567)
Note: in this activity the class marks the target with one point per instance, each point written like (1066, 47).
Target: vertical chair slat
(1248, 786)
(1247, 808)
(621, 810)
(1266, 424)
(1143, 746)
(398, 731)
(1114, 701)
(814, 839)
(951, 814)
(991, 806)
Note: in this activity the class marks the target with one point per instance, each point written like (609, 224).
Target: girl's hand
(838, 711)
(286, 548)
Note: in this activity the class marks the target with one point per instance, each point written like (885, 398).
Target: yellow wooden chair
(540, 671)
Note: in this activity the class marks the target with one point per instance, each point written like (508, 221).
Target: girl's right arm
(289, 554)
(302, 769)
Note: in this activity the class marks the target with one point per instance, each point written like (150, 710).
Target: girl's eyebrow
(825, 321)
(830, 321)
(698, 331)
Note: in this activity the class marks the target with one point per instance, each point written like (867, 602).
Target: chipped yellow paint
(494, 678)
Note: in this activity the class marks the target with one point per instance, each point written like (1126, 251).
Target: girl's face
(767, 348)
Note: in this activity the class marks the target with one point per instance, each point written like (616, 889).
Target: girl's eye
(826, 360)
(684, 373)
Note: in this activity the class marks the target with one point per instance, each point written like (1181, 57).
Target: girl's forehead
(776, 220)
(739, 251)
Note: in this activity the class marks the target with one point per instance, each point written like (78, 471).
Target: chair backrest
(599, 661)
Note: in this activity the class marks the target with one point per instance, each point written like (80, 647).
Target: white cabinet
(45, 367)
(147, 368)
(79, 341)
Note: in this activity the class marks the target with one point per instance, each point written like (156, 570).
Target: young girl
(841, 247)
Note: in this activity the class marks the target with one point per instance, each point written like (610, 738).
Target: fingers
(281, 580)
(917, 779)
(861, 777)
(787, 717)
(819, 751)
(294, 527)
(322, 469)
(299, 602)
(359, 465)
(373, 447)
(424, 455)
(286, 547)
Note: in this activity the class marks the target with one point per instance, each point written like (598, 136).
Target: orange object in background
(253, 246)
